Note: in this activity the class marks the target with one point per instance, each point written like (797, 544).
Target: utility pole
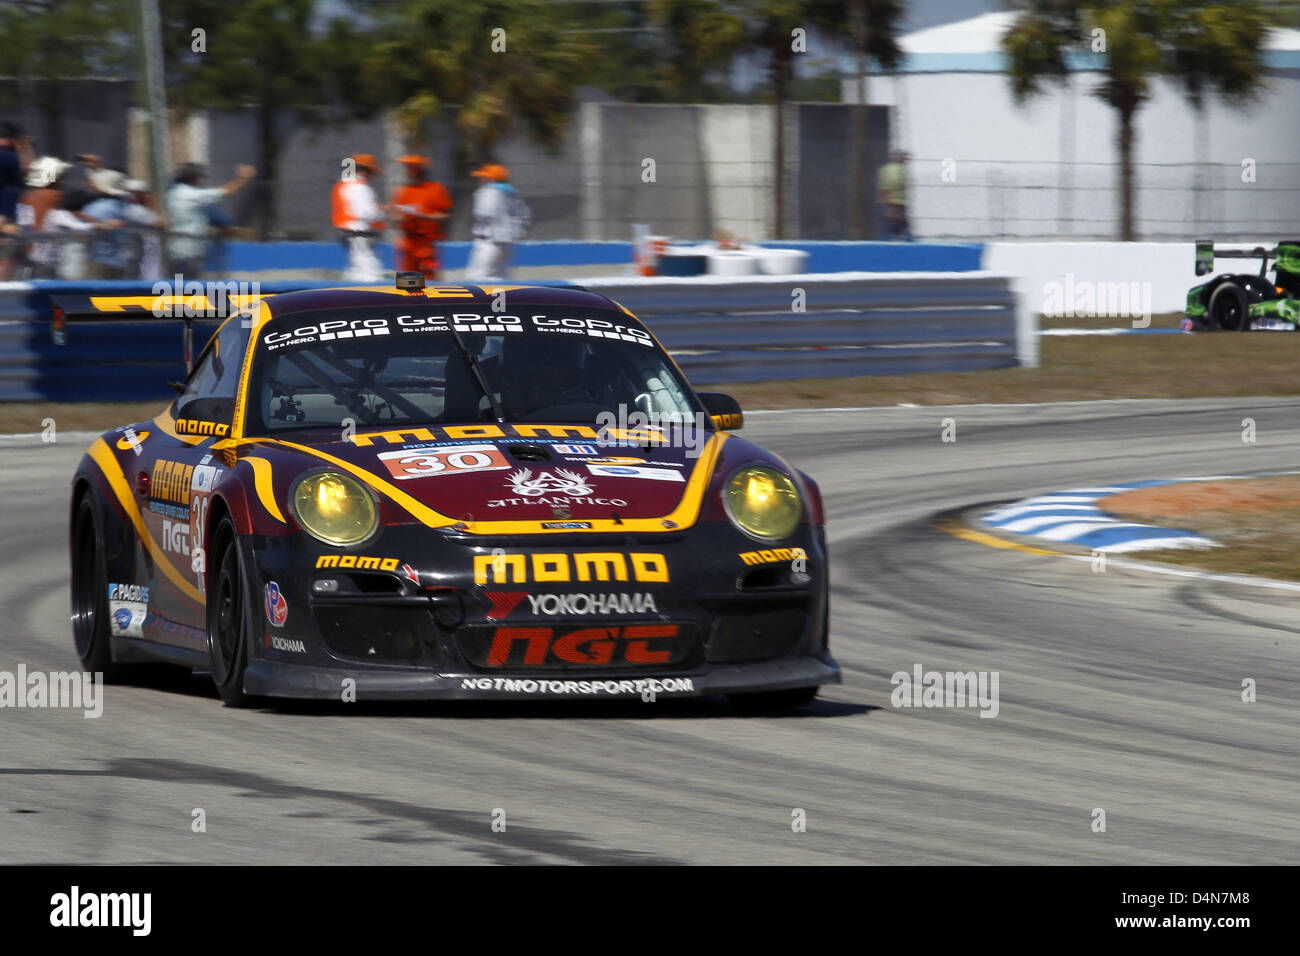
(159, 133)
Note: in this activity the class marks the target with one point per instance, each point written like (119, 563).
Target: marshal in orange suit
(421, 206)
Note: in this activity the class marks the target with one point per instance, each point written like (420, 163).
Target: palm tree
(1202, 46)
(494, 65)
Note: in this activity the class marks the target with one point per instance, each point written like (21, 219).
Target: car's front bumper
(279, 679)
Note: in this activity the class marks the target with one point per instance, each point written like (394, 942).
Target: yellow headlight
(335, 508)
(763, 502)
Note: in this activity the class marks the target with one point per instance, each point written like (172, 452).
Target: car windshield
(400, 366)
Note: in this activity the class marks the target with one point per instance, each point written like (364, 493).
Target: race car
(415, 492)
(1235, 303)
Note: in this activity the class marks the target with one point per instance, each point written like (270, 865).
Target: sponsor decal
(773, 556)
(589, 688)
(560, 482)
(403, 465)
(132, 440)
(556, 490)
(336, 329)
(503, 602)
(595, 646)
(196, 426)
(552, 605)
(558, 567)
(727, 420)
(361, 562)
(129, 592)
(609, 434)
(170, 481)
(326, 332)
(633, 471)
(159, 623)
(566, 525)
(575, 450)
(277, 643)
(176, 537)
(126, 618)
(277, 610)
(201, 485)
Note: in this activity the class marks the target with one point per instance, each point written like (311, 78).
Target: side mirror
(724, 410)
(1204, 256)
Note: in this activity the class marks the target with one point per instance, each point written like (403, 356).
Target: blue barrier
(822, 256)
(720, 330)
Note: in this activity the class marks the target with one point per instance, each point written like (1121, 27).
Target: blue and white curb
(1073, 517)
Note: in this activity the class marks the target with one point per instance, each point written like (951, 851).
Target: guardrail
(826, 326)
(720, 330)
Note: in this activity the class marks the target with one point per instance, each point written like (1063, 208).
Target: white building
(984, 167)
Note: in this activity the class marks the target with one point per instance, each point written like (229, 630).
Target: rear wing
(1206, 254)
(187, 309)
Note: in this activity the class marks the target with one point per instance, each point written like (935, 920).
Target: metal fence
(1011, 200)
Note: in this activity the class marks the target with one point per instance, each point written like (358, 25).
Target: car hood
(529, 479)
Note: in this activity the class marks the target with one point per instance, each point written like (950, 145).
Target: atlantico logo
(558, 568)
(171, 481)
(358, 561)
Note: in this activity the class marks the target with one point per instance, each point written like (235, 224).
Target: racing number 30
(443, 461)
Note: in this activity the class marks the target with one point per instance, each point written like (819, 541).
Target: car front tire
(1228, 309)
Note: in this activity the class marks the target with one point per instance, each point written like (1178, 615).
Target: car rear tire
(773, 701)
(230, 618)
(1228, 309)
(90, 621)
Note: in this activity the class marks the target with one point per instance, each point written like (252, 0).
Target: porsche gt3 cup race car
(1240, 302)
(407, 493)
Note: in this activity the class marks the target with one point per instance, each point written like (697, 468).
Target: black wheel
(1227, 308)
(230, 618)
(772, 701)
(90, 633)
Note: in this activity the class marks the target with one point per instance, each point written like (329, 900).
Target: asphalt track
(1118, 690)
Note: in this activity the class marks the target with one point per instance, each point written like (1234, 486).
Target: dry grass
(1256, 519)
(1206, 365)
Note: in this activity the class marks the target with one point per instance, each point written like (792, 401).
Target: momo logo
(359, 561)
(558, 567)
(773, 556)
(196, 426)
(560, 482)
(593, 646)
(170, 481)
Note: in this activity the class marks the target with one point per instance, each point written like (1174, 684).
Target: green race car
(1238, 302)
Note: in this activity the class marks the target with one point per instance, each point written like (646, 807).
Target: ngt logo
(594, 646)
(558, 567)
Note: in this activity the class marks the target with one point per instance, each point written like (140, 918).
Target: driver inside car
(544, 371)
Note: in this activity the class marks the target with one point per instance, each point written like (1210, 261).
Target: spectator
(143, 214)
(44, 195)
(14, 156)
(187, 205)
(356, 214)
(77, 188)
(501, 219)
(422, 208)
(222, 227)
(892, 185)
(110, 253)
